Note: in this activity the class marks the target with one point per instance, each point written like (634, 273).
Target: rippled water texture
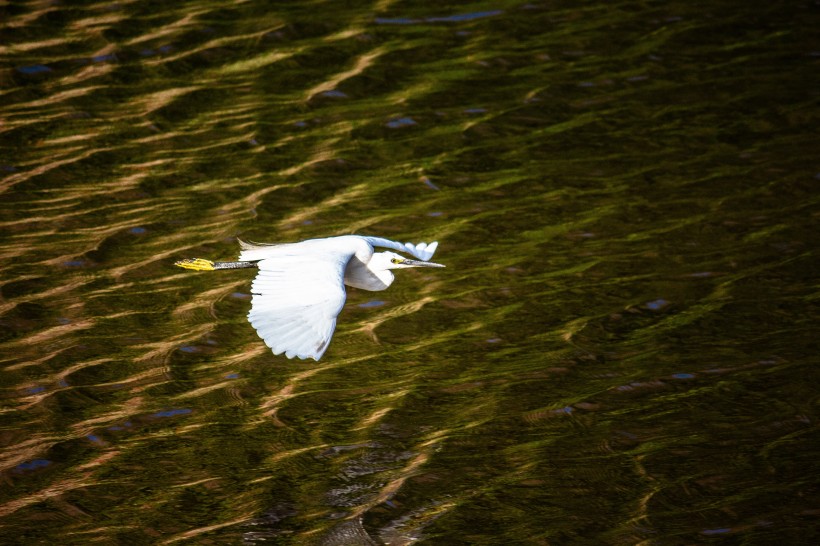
(622, 349)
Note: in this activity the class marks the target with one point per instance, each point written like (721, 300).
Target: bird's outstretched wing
(422, 251)
(296, 300)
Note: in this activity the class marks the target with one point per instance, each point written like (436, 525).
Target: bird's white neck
(358, 275)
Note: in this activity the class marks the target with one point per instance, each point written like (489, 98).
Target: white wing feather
(296, 299)
(254, 251)
(299, 290)
(422, 251)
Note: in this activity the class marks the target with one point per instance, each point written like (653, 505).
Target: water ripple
(624, 197)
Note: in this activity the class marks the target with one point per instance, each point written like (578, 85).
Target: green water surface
(623, 348)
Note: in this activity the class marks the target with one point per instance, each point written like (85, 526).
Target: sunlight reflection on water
(621, 349)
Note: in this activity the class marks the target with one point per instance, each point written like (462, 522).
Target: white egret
(299, 290)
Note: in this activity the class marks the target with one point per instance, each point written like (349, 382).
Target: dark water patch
(334, 94)
(621, 344)
(34, 69)
(372, 303)
(34, 464)
(268, 525)
(398, 123)
(171, 412)
(119, 428)
(455, 18)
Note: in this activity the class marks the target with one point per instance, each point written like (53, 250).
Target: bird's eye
(395, 260)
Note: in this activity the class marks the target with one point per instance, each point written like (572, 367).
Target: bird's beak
(417, 263)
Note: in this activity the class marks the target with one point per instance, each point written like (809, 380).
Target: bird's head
(391, 260)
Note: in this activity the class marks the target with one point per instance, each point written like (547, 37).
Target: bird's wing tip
(422, 251)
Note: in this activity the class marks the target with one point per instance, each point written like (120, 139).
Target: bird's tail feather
(251, 245)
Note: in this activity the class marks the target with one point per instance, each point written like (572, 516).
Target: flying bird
(300, 288)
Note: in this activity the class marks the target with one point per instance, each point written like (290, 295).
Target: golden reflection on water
(360, 64)
(623, 196)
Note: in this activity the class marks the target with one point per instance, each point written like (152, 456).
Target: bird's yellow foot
(197, 264)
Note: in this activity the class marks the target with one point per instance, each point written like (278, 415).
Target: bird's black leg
(201, 264)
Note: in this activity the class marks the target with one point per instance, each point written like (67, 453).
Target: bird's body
(355, 251)
(299, 290)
